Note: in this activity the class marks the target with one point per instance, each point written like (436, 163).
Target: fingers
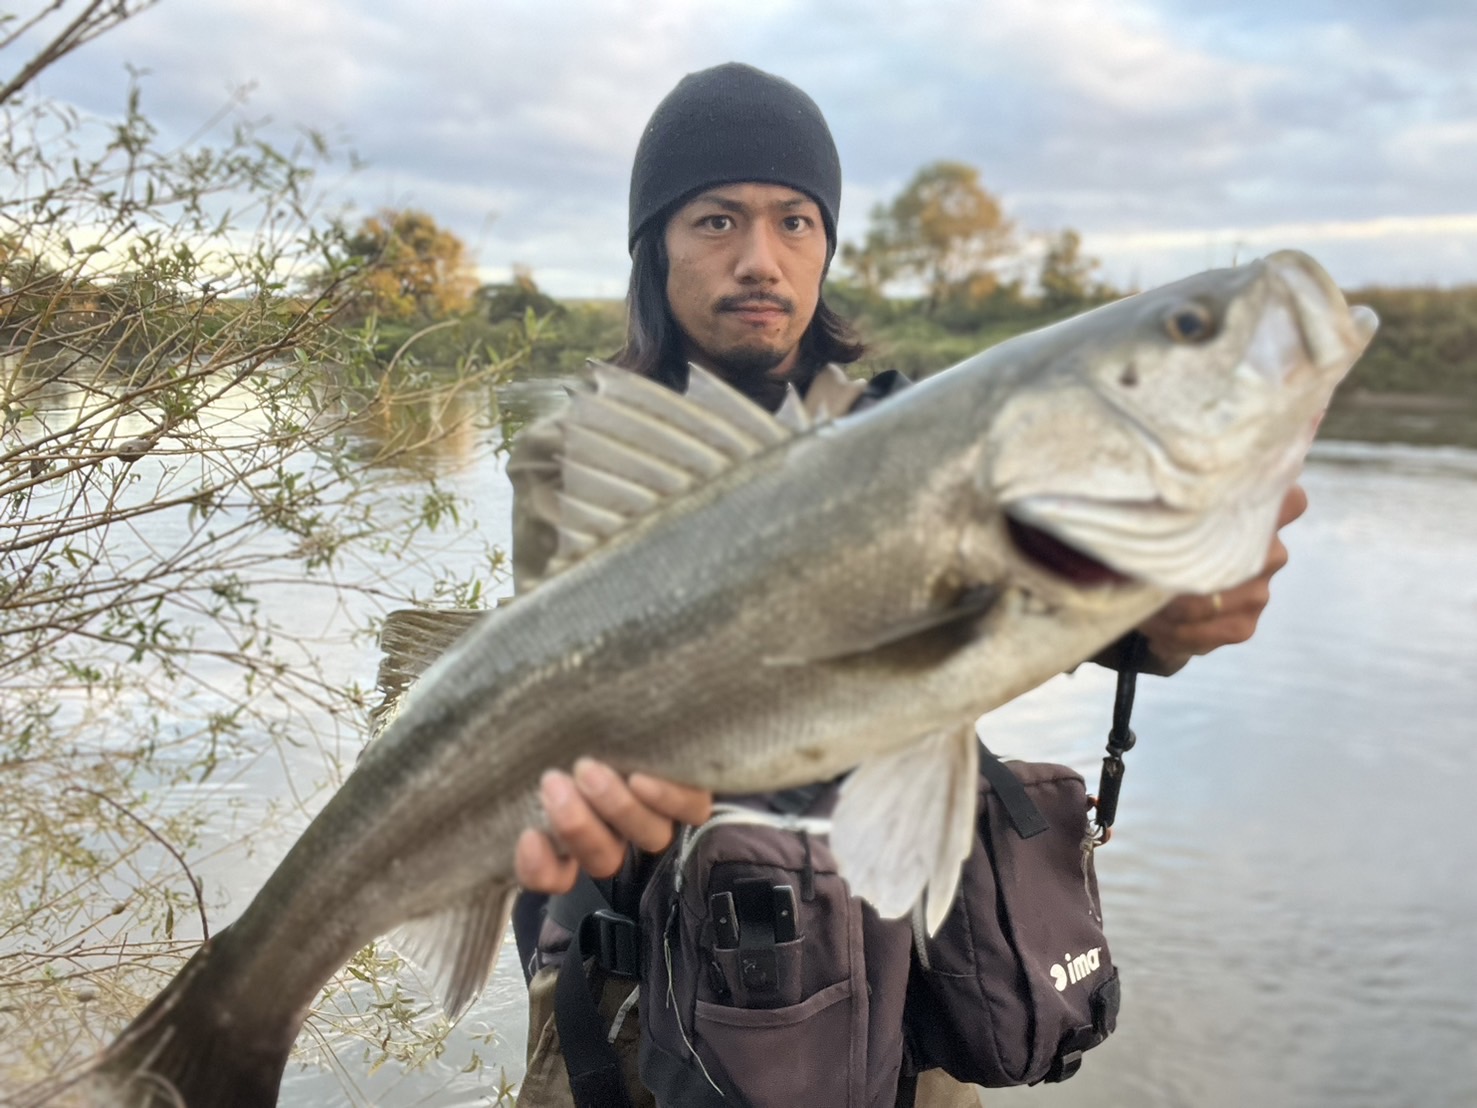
(1294, 504)
(1190, 625)
(682, 803)
(594, 815)
(620, 810)
(539, 868)
(1195, 625)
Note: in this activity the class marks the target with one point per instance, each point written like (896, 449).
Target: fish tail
(188, 1049)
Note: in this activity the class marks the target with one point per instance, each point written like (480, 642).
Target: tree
(1066, 275)
(944, 229)
(181, 431)
(413, 271)
(516, 298)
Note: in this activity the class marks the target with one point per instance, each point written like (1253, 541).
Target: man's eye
(718, 222)
(796, 223)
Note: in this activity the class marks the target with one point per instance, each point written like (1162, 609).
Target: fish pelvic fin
(411, 640)
(905, 823)
(187, 1049)
(459, 945)
(630, 445)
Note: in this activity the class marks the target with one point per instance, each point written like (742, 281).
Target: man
(734, 198)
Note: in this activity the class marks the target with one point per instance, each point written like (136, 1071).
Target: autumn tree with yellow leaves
(944, 230)
(413, 270)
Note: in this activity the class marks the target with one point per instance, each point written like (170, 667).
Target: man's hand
(594, 815)
(1191, 625)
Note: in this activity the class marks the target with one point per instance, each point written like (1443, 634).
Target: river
(1291, 894)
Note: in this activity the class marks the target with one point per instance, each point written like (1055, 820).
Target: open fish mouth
(1061, 559)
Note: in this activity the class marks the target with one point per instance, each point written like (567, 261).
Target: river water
(1291, 894)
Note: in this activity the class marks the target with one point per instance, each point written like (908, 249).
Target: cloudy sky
(1172, 138)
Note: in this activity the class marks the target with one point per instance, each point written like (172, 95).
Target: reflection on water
(1290, 894)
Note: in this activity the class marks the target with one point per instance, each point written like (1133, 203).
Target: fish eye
(1190, 323)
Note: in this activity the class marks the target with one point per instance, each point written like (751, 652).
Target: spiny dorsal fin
(832, 394)
(792, 412)
(631, 444)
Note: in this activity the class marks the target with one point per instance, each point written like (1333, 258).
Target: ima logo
(1071, 969)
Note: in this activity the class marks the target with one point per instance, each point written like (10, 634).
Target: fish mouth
(1059, 558)
(1330, 334)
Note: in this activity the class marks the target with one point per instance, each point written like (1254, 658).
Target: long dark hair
(654, 341)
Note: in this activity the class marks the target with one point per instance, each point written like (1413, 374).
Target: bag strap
(595, 1076)
(597, 929)
(1022, 812)
(1121, 737)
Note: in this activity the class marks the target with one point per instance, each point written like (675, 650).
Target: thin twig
(195, 884)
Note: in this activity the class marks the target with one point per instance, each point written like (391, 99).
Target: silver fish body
(854, 594)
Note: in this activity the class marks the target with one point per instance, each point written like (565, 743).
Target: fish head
(1157, 436)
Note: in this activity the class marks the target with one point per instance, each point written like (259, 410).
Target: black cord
(1121, 738)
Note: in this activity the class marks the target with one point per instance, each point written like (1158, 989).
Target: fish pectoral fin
(458, 946)
(905, 823)
(851, 642)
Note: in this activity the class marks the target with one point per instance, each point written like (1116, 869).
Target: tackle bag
(765, 983)
(1018, 982)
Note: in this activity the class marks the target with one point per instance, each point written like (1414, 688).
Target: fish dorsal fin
(832, 394)
(411, 639)
(904, 824)
(458, 946)
(792, 412)
(630, 444)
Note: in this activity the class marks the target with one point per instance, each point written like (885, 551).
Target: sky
(1174, 135)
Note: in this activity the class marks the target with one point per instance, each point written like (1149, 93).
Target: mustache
(747, 300)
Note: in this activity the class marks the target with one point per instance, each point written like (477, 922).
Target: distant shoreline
(1416, 418)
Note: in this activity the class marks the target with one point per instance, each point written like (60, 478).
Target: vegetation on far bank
(212, 398)
(939, 275)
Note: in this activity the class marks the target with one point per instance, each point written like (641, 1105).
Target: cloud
(514, 124)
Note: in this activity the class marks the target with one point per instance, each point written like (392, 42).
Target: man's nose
(758, 260)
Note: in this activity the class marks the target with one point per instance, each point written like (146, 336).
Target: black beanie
(733, 123)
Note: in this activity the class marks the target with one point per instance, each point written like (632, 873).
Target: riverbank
(1418, 419)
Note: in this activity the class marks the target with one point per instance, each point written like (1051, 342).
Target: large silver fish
(746, 603)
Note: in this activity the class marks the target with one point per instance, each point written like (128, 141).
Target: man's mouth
(756, 309)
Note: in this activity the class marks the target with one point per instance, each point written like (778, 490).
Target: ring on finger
(1216, 604)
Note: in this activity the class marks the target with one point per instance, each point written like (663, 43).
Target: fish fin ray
(458, 946)
(832, 394)
(905, 823)
(792, 412)
(411, 639)
(850, 642)
(631, 444)
(184, 1048)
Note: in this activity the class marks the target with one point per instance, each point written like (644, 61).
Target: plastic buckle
(1064, 1065)
(618, 948)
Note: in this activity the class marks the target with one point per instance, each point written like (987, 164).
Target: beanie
(733, 123)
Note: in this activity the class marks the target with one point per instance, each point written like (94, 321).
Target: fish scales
(859, 589)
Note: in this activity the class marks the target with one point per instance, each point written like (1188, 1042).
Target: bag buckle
(618, 949)
(1064, 1065)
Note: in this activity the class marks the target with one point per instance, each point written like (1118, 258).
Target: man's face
(744, 275)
